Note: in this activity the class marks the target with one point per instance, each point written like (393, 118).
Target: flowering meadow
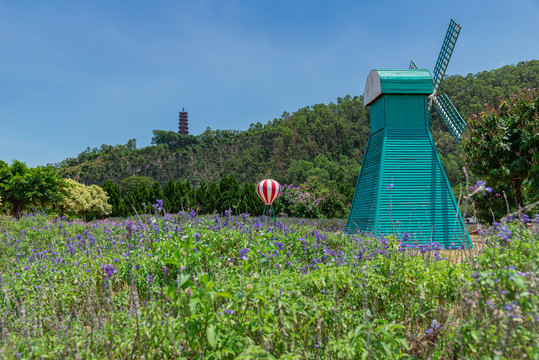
(182, 286)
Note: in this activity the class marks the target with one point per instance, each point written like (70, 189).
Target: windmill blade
(450, 115)
(445, 53)
(412, 65)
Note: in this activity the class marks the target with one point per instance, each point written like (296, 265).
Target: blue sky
(75, 74)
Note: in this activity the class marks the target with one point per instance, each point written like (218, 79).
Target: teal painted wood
(366, 194)
(402, 81)
(401, 155)
(420, 202)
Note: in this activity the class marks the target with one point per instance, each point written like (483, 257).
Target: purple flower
(229, 311)
(108, 270)
(158, 205)
(481, 185)
(434, 326)
(192, 214)
(505, 233)
(243, 254)
(130, 226)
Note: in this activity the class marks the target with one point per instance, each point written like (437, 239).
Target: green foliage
(114, 194)
(469, 93)
(312, 199)
(179, 196)
(131, 183)
(250, 203)
(453, 168)
(491, 207)
(204, 198)
(91, 154)
(502, 310)
(163, 137)
(172, 139)
(22, 187)
(89, 201)
(503, 144)
(229, 193)
(232, 287)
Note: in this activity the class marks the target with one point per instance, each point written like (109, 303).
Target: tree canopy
(503, 143)
(131, 183)
(21, 186)
(85, 200)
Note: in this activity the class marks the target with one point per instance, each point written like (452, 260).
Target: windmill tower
(402, 186)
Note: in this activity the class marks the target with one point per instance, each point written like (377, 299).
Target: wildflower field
(183, 286)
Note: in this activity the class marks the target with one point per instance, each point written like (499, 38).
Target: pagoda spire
(183, 128)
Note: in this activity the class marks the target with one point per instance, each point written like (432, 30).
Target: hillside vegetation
(323, 140)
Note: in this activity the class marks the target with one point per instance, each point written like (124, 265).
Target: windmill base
(403, 189)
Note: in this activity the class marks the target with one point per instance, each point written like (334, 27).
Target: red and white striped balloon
(268, 190)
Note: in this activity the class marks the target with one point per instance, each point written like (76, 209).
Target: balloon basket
(270, 207)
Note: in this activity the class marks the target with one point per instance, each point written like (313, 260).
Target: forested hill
(326, 140)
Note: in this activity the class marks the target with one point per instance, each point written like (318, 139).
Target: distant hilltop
(324, 140)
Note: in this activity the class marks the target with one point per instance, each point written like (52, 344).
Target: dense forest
(322, 140)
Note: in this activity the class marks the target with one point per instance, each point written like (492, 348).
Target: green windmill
(402, 186)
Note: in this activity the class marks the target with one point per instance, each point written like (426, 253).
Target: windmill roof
(401, 81)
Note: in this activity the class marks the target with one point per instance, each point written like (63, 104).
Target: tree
(21, 186)
(131, 183)
(154, 193)
(115, 197)
(503, 144)
(202, 197)
(187, 196)
(131, 144)
(85, 200)
(213, 195)
(229, 193)
(171, 199)
(250, 202)
(172, 139)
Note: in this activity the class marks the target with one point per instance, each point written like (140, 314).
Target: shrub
(88, 201)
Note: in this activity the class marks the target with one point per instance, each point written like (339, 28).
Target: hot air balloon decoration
(268, 190)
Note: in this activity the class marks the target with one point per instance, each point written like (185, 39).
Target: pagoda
(183, 128)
